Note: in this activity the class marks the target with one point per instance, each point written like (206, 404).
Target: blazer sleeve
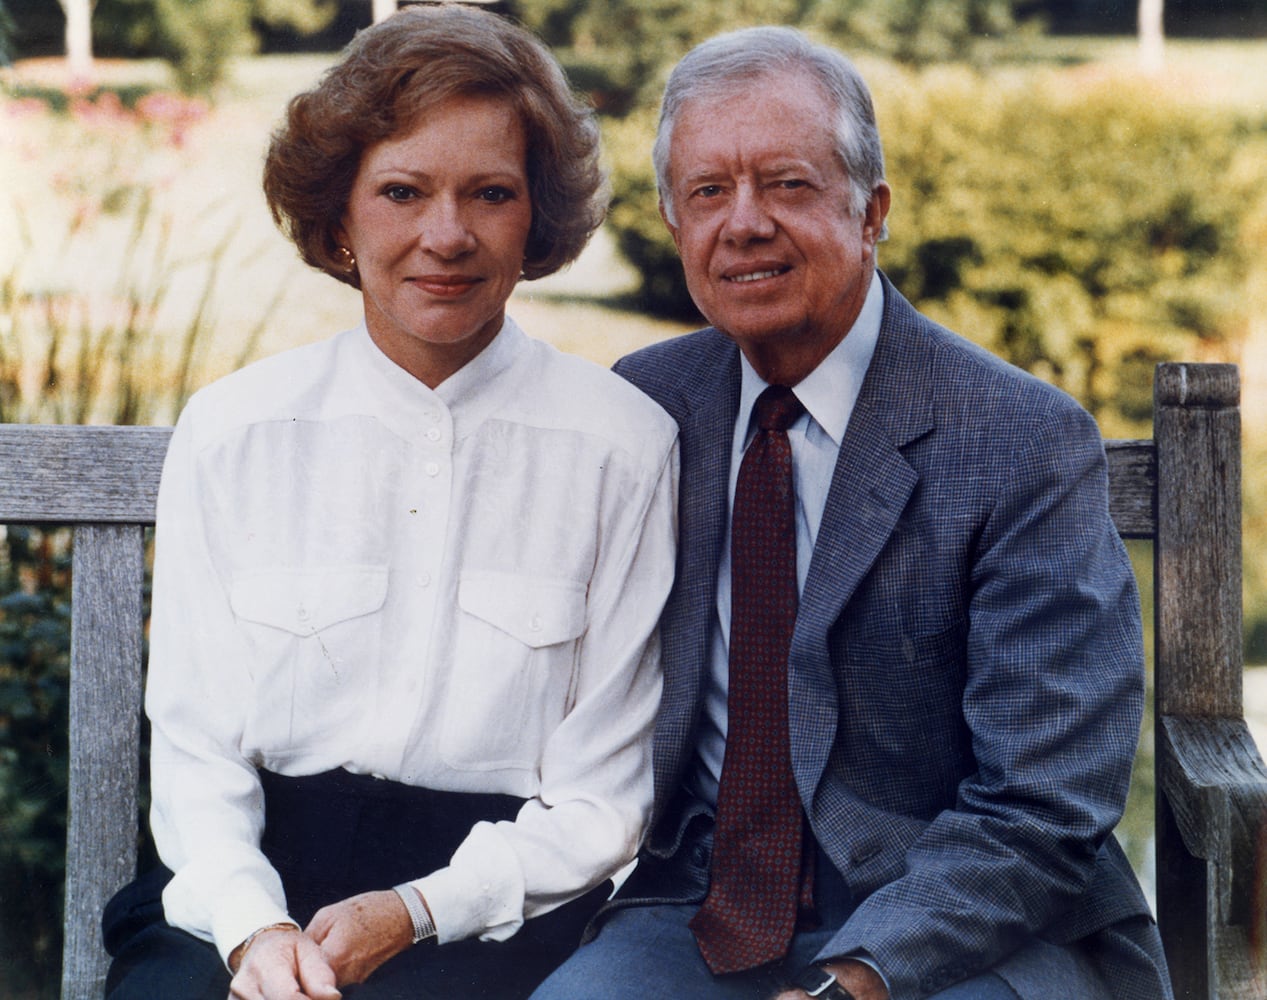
(1052, 698)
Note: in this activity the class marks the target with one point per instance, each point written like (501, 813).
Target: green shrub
(200, 39)
(619, 50)
(1083, 229)
(6, 36)
(34, 675)
(634, 218)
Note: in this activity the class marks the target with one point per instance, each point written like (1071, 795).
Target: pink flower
(24, 107)
(173, 111)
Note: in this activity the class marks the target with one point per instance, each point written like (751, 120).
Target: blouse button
(302, 614)
(434, 434)
(433, 468)
(535, 623)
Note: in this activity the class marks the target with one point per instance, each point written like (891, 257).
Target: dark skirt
(331, 836)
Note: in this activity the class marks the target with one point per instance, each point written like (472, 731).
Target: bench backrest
(1181, 489)
(103, 481)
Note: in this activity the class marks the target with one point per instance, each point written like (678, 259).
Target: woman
(403, 667)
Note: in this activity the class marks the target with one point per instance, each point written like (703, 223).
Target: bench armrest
(1215, 785)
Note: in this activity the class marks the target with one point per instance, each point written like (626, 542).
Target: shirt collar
(500, 354)
(829, 392)
(469, 394)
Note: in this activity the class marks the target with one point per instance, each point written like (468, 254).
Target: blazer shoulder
(678, 371)
(968, 383)
(978, 386)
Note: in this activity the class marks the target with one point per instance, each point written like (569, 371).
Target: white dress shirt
(828, 394)
(456, 589)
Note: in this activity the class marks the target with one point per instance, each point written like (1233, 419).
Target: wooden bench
(1182, 490)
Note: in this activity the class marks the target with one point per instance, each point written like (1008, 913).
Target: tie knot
(777, 408)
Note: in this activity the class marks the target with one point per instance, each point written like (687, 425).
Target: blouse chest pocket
(307, 601)
(315, 639)
(516, 643)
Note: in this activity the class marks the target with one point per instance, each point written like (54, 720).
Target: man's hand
(857, 977)
(360, 933)
(283, 964)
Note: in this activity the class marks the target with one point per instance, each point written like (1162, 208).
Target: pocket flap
(538, 611)
(304, 601)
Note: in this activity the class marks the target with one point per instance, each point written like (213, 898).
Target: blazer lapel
(871, 486)
(707, 433)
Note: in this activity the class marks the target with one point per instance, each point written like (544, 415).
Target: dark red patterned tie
(751, 909)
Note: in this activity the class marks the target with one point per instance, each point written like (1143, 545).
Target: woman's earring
(346, 258)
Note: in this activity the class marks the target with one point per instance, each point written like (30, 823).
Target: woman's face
(438, 220)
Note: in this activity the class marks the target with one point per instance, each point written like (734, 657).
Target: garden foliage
(200, 39)
(81, 341)
(34, 673)
(86, 338)
(6, 35)
(619, 50)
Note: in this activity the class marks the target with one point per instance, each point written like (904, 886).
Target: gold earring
(346, 258)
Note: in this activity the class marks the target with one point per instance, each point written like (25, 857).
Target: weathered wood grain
(1214, 788)
(105, 737)
(1197, 429)
(67, 475)
(1132, 487)
(1213, 784)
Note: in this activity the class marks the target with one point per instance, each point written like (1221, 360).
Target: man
(903, 676)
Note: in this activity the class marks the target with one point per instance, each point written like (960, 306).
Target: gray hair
(740, 57)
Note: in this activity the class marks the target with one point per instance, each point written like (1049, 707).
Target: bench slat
(65, 475)
(1132, 487)
(105, 738)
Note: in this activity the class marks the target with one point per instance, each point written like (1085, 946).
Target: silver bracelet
(424, 925)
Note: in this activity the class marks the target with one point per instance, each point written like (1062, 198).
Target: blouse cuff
(239, 907)
(481, 892)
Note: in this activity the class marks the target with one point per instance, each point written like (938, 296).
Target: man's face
(772, 253)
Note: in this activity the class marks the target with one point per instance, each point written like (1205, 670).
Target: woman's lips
(448, 286)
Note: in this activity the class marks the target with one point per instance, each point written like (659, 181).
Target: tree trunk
(1152, 37)
(78, 38)
(383, 9)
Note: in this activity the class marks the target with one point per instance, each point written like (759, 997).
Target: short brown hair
(393, 73)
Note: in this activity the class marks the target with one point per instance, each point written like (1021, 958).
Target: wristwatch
(820, 983)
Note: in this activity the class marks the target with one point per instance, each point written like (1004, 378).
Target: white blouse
(455, 589)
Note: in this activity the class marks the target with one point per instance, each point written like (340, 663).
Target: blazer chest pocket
(515, 647)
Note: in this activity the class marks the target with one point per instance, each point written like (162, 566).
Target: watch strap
(819, 983)
(419, 915)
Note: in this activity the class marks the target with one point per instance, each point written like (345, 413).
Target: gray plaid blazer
(966, 675)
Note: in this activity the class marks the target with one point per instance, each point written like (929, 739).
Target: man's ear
(876, 212)
(673, 231)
